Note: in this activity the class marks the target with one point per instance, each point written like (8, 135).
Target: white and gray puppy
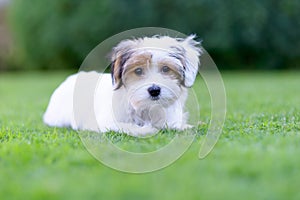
(146, 90)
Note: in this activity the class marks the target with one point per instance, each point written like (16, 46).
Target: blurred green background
(58, 34)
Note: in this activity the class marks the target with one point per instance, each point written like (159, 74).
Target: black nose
(154, 90)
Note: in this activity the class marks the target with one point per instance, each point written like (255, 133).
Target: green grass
(257, 156)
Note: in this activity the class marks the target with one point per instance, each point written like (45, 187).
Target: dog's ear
(120, 54)
(191, 62)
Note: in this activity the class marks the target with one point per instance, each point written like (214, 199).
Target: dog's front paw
(135, 130)
(186, 126)
(142, 131)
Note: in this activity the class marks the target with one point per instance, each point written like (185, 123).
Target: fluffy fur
(146, 90)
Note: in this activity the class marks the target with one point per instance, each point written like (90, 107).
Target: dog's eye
(165, 69)
(138, 71)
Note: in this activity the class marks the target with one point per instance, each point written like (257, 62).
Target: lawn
(256, 157)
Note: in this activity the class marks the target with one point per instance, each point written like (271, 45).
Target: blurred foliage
(250, 34)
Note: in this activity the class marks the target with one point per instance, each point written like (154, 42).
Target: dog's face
(155, 70)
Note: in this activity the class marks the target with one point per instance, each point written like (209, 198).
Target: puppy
(146, 90)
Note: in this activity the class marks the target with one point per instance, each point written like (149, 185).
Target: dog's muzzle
(154, 92)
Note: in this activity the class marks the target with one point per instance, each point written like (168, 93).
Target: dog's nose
(154, 90)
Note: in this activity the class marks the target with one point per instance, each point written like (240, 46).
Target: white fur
(98, 105)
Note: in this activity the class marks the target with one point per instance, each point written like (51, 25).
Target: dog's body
(150, 77)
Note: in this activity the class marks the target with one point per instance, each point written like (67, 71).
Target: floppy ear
(191, 60)
(120, 54)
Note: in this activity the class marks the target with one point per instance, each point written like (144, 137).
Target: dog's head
(155, 69)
